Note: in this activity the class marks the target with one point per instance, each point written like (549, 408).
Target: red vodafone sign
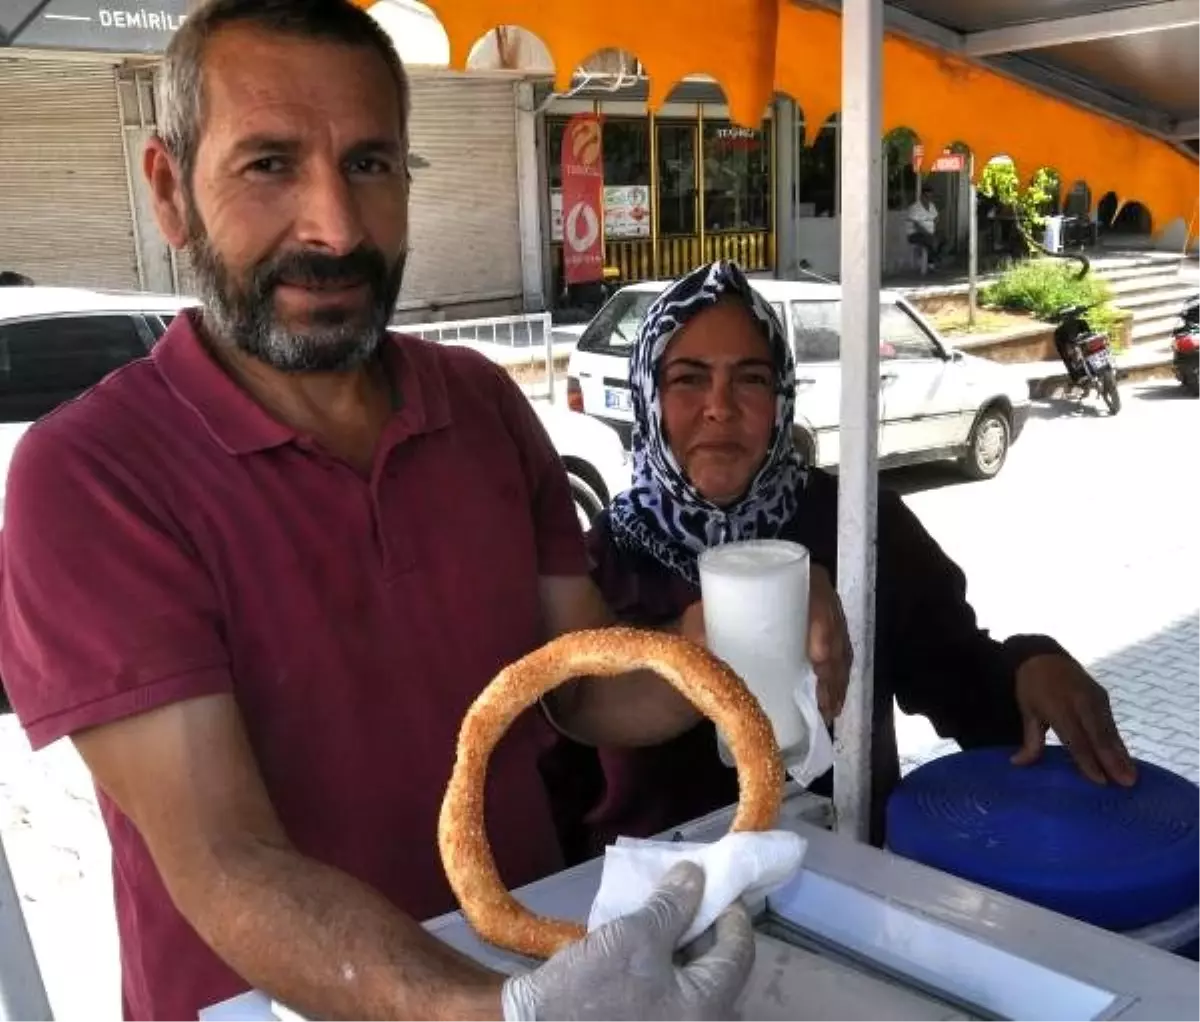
(582, 200)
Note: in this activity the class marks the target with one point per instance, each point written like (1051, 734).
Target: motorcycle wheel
(1108, 391)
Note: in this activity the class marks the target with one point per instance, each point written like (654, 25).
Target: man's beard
(241, 313)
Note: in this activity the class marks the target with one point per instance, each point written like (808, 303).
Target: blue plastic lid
(1115, 857)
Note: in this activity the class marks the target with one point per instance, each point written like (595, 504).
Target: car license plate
(617, 400)
(1098, 360)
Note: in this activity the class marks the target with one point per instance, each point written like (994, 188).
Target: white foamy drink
(756, 618)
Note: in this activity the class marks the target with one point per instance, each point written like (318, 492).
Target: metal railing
(515, 342)
(635, 259)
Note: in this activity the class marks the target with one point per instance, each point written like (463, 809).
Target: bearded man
(259, 576)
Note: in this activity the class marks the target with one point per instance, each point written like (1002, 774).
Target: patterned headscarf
(664, 515)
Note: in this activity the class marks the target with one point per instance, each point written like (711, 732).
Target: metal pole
(883, 207)
(22, 993)
(784, 204)
(654, 259)
(862, 57)
(972, 241)
(771, 255)
(548, 335)
(700, 182)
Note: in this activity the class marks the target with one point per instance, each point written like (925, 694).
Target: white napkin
(805, 765)
(742, 865)
(813, 757)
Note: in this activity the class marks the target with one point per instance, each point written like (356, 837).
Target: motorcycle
(1185, 346)
(1087, 356)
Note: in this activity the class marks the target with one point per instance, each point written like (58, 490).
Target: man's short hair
(181, 80)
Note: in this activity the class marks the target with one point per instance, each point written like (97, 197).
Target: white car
(598, 466)
(935, 402)
(55, 343)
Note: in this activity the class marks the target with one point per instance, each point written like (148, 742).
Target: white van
(935, 403)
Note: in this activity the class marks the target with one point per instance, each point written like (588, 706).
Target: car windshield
(614, 327)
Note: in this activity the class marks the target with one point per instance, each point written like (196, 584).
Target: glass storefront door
(678, 240)
(737, 194)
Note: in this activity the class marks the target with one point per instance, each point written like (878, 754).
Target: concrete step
(1133, 287)
(1144, 300)
(1159, 310)
(1152, 346)
(1152, 329)
(1161, 268)
(1139, 253)
(1122, 260)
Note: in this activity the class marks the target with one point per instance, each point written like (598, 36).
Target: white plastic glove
(627, 969)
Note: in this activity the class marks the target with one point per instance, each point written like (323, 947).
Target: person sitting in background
(922, 226)
(712, 381)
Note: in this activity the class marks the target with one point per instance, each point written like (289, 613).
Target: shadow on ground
(1091, 407)
(1160, 391)
(919, 478)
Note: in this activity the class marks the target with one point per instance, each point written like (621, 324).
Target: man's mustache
(365, 265)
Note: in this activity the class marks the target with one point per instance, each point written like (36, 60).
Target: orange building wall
(755, 48)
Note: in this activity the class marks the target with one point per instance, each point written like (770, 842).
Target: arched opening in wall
(1106, 210)
(948, 180)
(818, 181)
(1043, 206)
(1001, 219)
(902, 152)
(903, 175)
(510, 48)
(1133, 221)
(415, 31)
(817, 189)
(611, 69)
(1079, 226)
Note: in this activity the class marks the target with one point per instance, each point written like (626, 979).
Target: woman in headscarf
(712, 378)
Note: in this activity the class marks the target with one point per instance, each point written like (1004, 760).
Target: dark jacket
(931, 656)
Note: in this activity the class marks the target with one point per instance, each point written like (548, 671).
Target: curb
(1057, 386)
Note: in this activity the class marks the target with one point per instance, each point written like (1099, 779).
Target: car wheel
(805, 445)
(588, 503)
(988, 446)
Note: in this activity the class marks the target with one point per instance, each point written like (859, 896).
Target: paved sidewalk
(1090, 538)
(1155, 694)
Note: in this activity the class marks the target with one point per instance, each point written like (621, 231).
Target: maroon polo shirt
(165, 538)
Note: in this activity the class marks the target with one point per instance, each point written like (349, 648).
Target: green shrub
(1043, 286)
